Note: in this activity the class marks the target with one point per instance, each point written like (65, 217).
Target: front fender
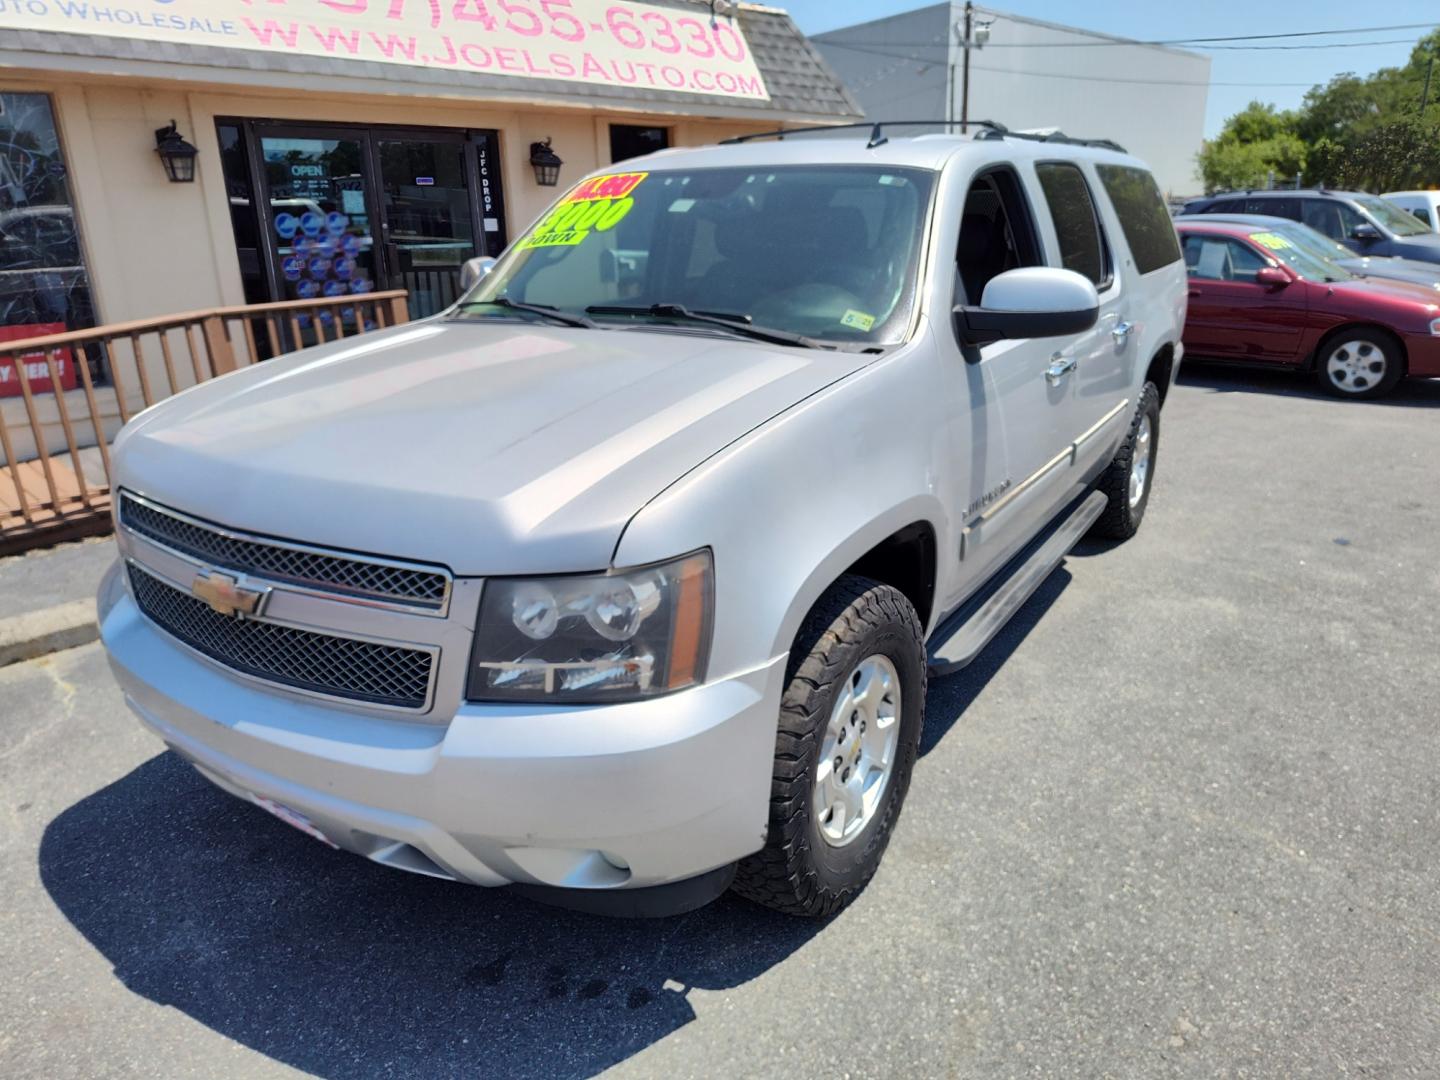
(789, 508)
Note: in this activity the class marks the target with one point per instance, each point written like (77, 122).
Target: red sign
(35, 367)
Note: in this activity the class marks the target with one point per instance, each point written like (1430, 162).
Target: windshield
(1310, 254)
(828, 252)
(1391, 216)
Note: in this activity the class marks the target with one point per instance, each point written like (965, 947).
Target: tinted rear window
(1141, 210)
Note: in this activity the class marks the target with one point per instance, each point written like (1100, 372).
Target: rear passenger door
(1104, 355)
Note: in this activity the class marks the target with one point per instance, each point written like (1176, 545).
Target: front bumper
(614, 797)
(1423, 355)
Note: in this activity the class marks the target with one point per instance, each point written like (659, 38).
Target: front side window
(1143, 218)
(828, 252)
(1219, 258)
(1333, 218)
(996, 232)
(1076, 226)
(44, 288)
(1390, 216)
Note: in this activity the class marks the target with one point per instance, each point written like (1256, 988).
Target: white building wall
(1033, 74)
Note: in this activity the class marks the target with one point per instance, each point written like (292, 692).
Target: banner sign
(589, 41)
(37, 370)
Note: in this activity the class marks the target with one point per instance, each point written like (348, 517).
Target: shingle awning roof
(800, 83)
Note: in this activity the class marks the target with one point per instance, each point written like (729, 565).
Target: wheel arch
(1162, 369)
(885, 549)
(1312, 362)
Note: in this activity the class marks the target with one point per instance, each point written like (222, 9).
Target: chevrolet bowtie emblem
(226, 596)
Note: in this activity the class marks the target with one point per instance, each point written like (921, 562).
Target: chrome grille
(426, 589)
(320, 663)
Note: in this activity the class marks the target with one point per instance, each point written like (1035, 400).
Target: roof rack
(989, 129)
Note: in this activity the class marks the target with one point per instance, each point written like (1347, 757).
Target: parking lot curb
(35, 633)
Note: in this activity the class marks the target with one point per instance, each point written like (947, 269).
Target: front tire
(1131, 474)
(1359, 364)
(849, 731)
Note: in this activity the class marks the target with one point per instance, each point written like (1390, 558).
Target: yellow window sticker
(598, 204)
(857, 320)
(1273, 241)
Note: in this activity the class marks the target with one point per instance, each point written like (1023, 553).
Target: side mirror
(1365, 233)
(472, 270)
(1272, 277)
(1032, 302)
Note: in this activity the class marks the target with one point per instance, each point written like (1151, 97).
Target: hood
(1424, 248)
(1395, 269)
(491, 447)
(1393, 290)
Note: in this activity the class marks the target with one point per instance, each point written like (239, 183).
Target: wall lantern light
(177, 155)
(546, 163)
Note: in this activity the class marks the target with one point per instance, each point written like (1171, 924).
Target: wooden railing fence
(77, 389)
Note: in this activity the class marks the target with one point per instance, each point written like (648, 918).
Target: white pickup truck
(619, 582)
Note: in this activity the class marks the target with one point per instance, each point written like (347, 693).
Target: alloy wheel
(859, 750)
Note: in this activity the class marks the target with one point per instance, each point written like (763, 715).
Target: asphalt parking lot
(1179, 820)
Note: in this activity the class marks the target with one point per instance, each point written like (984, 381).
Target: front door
(1231, 315)
(1019, 393)
(427, 218)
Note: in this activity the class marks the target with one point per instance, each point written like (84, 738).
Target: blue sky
(1166, 19)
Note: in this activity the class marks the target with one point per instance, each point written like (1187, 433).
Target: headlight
(600, 638)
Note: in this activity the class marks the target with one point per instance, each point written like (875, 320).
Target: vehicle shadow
(1229, 379)
(339, 967)
(949, 696)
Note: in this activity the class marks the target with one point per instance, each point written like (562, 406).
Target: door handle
(1121, 331)
(1060, 366)
(1194, 292)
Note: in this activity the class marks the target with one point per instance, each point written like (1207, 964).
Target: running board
(962, 643)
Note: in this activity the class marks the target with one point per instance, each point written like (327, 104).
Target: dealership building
(1028, 74)
(341, 146)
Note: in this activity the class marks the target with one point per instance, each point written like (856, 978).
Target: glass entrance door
(320, 216)
(344, 210)
(427, 211)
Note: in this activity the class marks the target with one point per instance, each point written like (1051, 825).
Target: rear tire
(1131, 474)
(850, 723)
(1359, 364)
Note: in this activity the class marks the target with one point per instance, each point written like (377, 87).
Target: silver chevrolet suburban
(620, 581)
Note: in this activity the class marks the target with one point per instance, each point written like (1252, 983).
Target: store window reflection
(43, 285)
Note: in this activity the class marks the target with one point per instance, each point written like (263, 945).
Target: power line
(1079, 78)
(1198, 42)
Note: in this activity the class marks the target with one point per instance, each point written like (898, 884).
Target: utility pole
(965, 62)
(1425, 97)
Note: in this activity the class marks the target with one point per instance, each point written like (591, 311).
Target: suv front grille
(319, 663)
(415, 587)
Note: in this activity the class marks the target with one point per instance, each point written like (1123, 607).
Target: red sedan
(1255, 297)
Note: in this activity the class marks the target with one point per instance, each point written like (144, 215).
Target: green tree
(1359, 131)
(1255, 142)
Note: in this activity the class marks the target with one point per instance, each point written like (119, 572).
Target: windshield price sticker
(598, 204)
(1273, 241)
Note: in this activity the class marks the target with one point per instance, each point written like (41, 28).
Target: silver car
(620, 581)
